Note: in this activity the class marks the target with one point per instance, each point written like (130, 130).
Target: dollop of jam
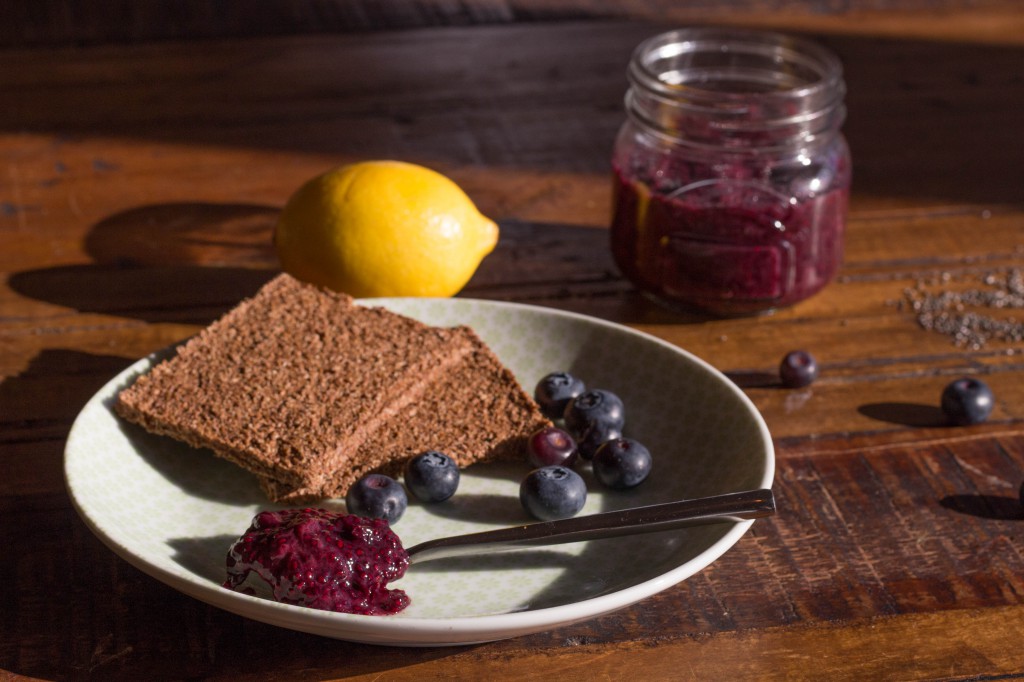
(323, 560)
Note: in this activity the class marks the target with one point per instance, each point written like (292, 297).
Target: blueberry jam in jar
(731, 175)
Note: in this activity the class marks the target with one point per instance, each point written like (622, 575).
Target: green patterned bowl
(172, 511)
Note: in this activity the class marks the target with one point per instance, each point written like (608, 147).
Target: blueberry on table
(551, 446)
(554, 391)
(432, 476)
(553, 492)
(592, 407)
(967, 401)
(798, 369)
(377, 496)
(622, 463)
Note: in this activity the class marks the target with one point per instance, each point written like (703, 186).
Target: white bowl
(173, 511)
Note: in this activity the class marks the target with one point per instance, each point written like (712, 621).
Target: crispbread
(307, 390)
(290, 382)
(474, 411)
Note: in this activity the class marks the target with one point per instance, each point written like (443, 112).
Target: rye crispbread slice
(474, 411)
(307, 390)
(292, 381)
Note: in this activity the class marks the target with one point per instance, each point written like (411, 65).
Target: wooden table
(139, 188)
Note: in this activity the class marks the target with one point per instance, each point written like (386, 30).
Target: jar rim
(781, 49)
(736, 87)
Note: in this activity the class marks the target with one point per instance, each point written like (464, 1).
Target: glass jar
(731, 175)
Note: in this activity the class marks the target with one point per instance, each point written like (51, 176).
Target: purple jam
(323, 560)
(729, 246)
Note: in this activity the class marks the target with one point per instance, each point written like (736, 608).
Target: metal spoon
(731, 507)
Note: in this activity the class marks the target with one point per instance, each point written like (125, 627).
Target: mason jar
(731, 175)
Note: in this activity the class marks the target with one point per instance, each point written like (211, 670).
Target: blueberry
(553, 492)
(622, 463)
(594, 437)
(798, 369)
(377, 496)
(967, 401)
(432, 476)
(554, 391)
(591, 407)
(551, 446)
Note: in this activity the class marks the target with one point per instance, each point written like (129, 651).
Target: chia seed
(965, 315)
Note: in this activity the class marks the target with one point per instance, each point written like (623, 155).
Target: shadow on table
(186, 263)
(191, 262)
(48, 394)
(755, 379)
(907, 414)
(996, 507)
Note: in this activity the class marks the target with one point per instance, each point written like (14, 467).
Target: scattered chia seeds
(965, 314)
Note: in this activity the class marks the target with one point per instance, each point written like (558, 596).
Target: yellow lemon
(383, 228)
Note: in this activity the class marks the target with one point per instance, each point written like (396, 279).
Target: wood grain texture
(139, 187)
(90, 22)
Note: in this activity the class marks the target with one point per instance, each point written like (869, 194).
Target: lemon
(383, 228)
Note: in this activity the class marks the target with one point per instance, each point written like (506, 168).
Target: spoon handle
(731, 507)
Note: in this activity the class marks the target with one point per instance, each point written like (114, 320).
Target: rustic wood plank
(83, 22)
(942, 646)
(548, 119)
